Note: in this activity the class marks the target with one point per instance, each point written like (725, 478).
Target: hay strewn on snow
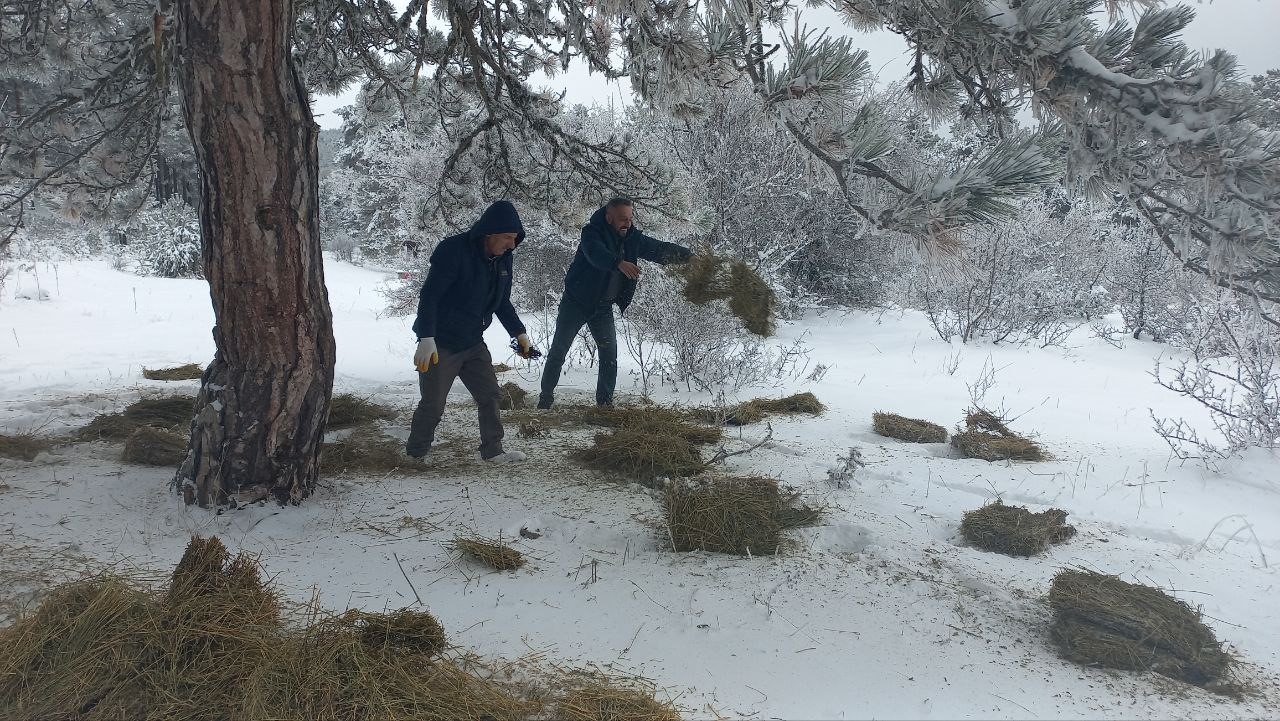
(707, 279)
(653, 419)
(150, 446)
(601, 702)
(987, 437)
(731, 514)
(365, 451)
(911, 430)
(23, 446)
(219, 644)
(347, 410)
(1104, 621)
(757, 409)
(188, 372)
(512, 396)
(171, 412)
(494, 554)
(1014, 530)
(641, 455)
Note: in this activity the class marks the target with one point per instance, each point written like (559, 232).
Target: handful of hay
(911, 430)
(168, 412)
(23, 446)
(656, 420)
(494, 554)
(347, 410)
(641, 455)
(188, 372)
(987, 437)
(739, 515)
(750, 298)
(217, 643)
(1014, 530)
(150, 446)
(1100, 620)
(365, 452)
(603, 702)
(512, 397)
(757, 409)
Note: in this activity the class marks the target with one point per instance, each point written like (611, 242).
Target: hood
(500, 217)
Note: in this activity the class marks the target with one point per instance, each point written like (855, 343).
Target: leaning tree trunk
(263, 401)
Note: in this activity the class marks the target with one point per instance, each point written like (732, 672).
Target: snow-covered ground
(879, 612)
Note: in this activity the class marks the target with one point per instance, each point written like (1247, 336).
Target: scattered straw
(365, 451)
(600, 702)
(641, 455)
(501, 367)
(23, 446)
(989, 438)
(512, 396)
(347, 410)
(494, 554)
(188, 372)
(1014, 530)
(150, 446)
(757, 409)
(169, 412)
(531, 429)
(655, 420)
(1104, 621)
(402, 631)
(911, 430)
(740, 515)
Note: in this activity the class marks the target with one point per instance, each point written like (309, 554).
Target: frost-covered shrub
(164, 240)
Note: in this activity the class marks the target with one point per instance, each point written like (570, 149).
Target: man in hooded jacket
(604, 273)
(469, 282)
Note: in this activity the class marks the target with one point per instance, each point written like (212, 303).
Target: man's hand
(426, 355)
(523, 347)
(629, 269)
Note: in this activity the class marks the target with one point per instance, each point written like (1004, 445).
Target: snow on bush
(164, 239)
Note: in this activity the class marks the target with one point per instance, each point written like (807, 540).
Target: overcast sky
(1247, 28)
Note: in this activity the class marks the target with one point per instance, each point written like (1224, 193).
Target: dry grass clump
(987, 437)
(1100, 620)
(365, 451)
(757, 409)
(188, 372)
(706, 279)
(1014, 530)
(169, 412)
(603, 702)
(402, 631)
(23, 446)
(531, 429)
(217, 644)
(512, 396)
(501, 367)
(150, 446)
(653, 419)
(641, 455)
(732, 514)
(911, 430)
(347, 410)
(494, 554)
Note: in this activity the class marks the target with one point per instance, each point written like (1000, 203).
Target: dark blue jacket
(465, 287)
(599, 252)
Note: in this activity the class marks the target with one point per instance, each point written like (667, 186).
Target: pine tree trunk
(263, 401)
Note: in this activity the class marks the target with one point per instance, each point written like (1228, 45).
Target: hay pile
(149, 446)
(706, 279)
(732, 514)
(494, 554)
(757, 409)
(23, 446)
(347, 410)
(169, 412)
(603, 702)
(1014, 530)
(501, 367)
(512, 397)
(188, 372)
(653, 419)
(987, 437)
(641, 455)
(1100, 620)
(911, 430)
(365, 451)
(219, 644)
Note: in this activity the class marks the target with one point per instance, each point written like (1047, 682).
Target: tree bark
(263, 401)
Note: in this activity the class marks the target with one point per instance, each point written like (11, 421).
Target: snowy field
(878, 612)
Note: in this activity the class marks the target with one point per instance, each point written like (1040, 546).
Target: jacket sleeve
(440, 278)
(597, 251)
(663, 253)
(509, 318)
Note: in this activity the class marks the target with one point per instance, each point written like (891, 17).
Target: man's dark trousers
(569, 320)
(475, 367)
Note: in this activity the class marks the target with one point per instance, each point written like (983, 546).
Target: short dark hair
(615, 202)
